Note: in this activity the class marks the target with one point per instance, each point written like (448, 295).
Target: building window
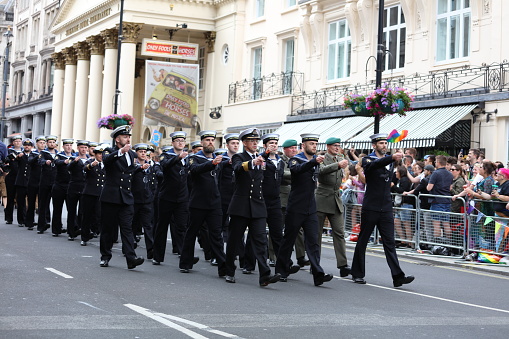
(225, 54)
(260, 8)
(257, 73)
(288, 65)
(201, 62)
(453, 29)
(340, 46)
(394, 37)
(290, 3)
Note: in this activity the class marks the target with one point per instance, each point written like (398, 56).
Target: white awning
(423, 126)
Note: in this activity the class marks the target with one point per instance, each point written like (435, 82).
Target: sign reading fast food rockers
(169, 49)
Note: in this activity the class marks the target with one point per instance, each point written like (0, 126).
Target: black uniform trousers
(257, 238)
(91, 216)
(44, 211)
(142, 219)
(32, 192)
(177, 213)
(113, 216)
(385, 223)
(74, 213)
(58, 194)
(21, 195)
(11, 196)
(275, 224)
(293, 223)
(213, 219)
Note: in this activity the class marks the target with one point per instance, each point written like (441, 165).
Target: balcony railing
(267, 86)
(465, 81)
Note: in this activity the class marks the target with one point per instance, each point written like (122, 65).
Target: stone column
(95, 87)
(131, 31)
(69, 92)
(58, 95)
(47, 122)
(41, 88)
(36, 126)
(24, 125)
(80, 104)
(14, 97)
(110, 37)
(48, 76)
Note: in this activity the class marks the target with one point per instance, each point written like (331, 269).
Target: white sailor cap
(121, 130)
(270, 136)
(250, 133)
(310, 137)
(378, 137)
(231, 136)
(207, 134)
(195, 144)
(178, 134)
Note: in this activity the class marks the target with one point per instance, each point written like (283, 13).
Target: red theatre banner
(169, 49)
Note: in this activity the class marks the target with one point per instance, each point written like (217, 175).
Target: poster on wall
(170, 49)
(171, 93)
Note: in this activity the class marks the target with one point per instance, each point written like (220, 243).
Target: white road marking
(87, 304)
(165, 319)
(433, 297)
(58, 272)
(87, 256)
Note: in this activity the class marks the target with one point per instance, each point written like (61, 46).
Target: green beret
(289, 143)
(333, 140)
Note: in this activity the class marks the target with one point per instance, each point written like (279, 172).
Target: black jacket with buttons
(117, 183)
(77, 176)
(48, 172)
(63, 176)
(24, 169)
(272, 182)
(378, 173)
(143, 183)
(226, 180)
(12, 165)
(205, 186)
(247, 200)
(94, 178)
(304, 176)
(174, 186)
(35, 170)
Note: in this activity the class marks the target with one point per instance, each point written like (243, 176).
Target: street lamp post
(7, 35)
(120, 38)
(380, 49)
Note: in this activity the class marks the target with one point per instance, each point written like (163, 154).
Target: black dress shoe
(303, 262)
(104, 263)
(403, 280)
(155, 262)
(83, 243)
(269, 279)
(283, 279)
(213, 262)
(30, 228)
(272, 263)
(358, 280)
(195, 260)
(221, 272)
(70, 238)
(345, 271)
(135, 262)
(9, 222)
(294, 269)
(54, 235)
(246, 271)
(184, 270)
(21, 225)
(40, 232)
(321, 278)
(150, 254)
(230, 279)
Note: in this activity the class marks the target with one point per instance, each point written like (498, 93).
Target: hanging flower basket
(114, 120)
(382, 101)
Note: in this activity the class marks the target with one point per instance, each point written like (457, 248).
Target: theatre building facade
(280, 65)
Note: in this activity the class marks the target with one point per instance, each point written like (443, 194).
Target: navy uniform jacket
(77, 176)
(272, 182)
(143, 185)
(286, 180)
(12, 167)
(378, 172)
(24, 169)
(175, 171)
(304, 175)
(35, 170)
(48, 172)
(247, 200)
(94, 178)
(117, 183)
(226, 180)
(62, 176)
(205, 187)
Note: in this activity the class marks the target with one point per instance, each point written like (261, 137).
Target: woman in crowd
(403, 218)
(458, 185)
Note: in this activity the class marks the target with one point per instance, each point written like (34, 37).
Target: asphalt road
(54, 288)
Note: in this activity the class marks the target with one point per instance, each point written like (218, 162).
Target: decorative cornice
(70, 56)
(130, 31)
(82, 50)
(110, 37)
(46, 51)
(58, 60)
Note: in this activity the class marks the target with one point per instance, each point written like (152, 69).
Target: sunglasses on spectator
(454, 169)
